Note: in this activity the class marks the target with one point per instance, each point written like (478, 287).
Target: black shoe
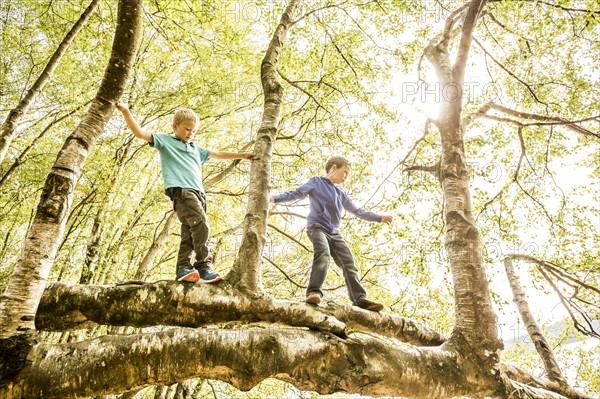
(364, 303)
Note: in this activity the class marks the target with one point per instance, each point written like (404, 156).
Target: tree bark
(541, 345)
(92, 252)
(70, 307)
(516, 379)
(161, 392)
(14, 116)
(19, 301)
(475, 320)
(245, 272)
(185, 390)
(309, 360)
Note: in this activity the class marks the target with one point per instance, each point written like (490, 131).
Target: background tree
(9, 125)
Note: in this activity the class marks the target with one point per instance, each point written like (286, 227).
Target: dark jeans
(190, 206)
(334, 245)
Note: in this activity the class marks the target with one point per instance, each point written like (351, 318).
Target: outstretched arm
(295, 195)
(364, 214)
(132, 123)
(230, 155)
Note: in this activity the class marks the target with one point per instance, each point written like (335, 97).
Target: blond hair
(185, 114)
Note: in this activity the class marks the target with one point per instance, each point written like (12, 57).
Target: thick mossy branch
(69, 307)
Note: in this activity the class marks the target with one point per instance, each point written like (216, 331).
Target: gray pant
(190, 206)
(334, 245)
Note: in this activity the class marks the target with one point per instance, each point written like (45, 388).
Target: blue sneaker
(189, 275)
(209, 276)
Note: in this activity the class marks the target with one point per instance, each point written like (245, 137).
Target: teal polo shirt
(181, 162)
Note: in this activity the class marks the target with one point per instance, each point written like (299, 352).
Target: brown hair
(338, 161)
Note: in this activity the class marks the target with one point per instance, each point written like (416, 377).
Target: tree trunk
(246, 269)
(185, 390)
(93, 252)
(161, 392)
(19, 301)
(309, 360)
(10, 124)
(475, 320)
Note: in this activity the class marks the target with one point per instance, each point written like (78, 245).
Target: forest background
(355, 84)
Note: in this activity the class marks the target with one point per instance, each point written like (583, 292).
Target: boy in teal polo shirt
(181, 162)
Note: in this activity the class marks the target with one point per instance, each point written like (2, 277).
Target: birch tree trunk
(244, 357)
(475, 320)
(247, 267)
(20, 299)
(7, 130)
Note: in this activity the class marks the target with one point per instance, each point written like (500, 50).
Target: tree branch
(309, 360)
(69, 307)
(545, 267)
(433, 169)
(563, 8)
(291, 280)
(544, 120)
(525, 385)
(466, 38)
(297, 86)
(283, 233)
(553, 371)
(512, 74)
(20, 160)
(428, 123)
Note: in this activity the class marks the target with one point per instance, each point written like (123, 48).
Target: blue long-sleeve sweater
(327, 200)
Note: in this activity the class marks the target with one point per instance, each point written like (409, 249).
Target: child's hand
(387, 219)
(121, 106)
(246, 155)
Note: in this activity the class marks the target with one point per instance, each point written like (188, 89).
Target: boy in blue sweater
(327, 200)
(181, 162)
